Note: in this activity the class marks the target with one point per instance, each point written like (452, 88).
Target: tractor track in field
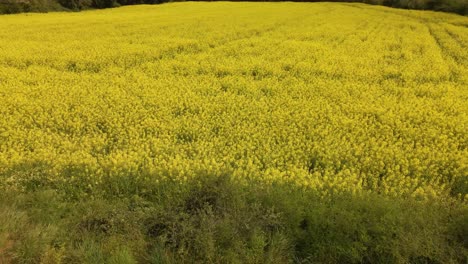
(443, 47)
(456, 38)
(446, 52)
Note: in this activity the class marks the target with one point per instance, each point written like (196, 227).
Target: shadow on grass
(213, 219)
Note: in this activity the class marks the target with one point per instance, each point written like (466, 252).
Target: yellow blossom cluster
(333, 97)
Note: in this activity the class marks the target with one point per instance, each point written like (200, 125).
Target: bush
(41, 6)
(104, 3)
(12, 7)
(76, 4)
(457, 6)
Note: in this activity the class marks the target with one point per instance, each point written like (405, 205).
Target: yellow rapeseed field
(332, 97)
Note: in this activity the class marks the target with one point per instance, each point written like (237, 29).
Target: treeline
(18, 6)
(454, 6)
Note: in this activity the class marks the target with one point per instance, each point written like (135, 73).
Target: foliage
(253, 224)
(18, 6)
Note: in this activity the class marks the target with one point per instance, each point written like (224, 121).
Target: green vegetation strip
(219, 221)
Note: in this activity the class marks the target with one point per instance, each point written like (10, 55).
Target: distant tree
(104, 3)
(17, 6)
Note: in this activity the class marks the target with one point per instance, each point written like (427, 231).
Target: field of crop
(338, 99)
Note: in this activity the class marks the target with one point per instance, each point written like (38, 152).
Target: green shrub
(76, 5)
(12, 7)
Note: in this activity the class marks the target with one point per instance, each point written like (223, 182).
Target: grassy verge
(215, 220)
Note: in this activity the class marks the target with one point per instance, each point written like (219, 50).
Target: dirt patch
(5, 247)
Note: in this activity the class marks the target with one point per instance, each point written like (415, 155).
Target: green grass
(219, 221)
